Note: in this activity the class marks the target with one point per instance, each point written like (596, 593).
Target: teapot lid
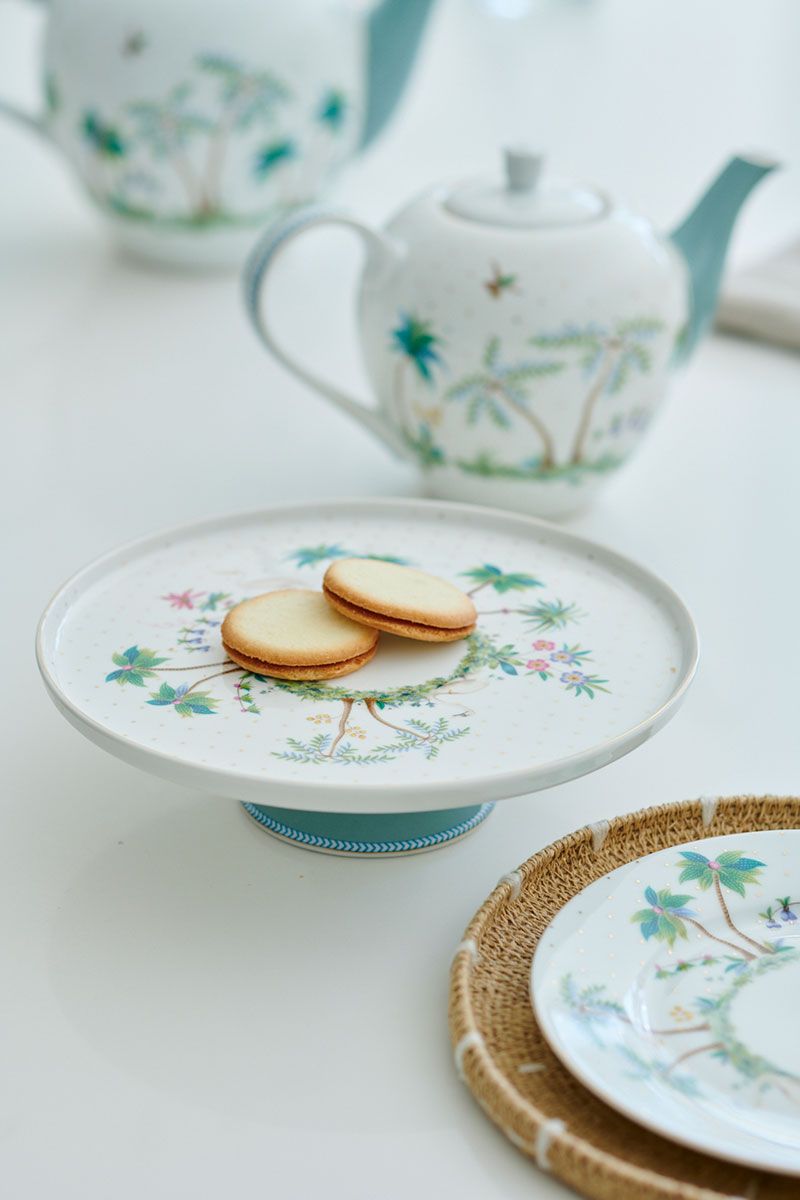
(525, 202)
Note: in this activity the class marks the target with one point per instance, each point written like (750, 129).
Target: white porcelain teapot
(193, 124)
(519, 335)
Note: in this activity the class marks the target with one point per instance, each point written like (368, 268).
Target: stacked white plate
(670, 988)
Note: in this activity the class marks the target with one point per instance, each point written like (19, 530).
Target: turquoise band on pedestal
(369, 833)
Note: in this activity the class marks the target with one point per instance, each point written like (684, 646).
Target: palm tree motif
(185, 701)
(168, 129)
(550, 614)
(544, 616)
(274, 155)
(418, 347)
(310, 556)
(332, 109)
(489, 575)
(248, 97)
(667, 916)
(133, 666)
(108, 149)
(105, 139)
(608, 356)
(500, 387)
(731, 870)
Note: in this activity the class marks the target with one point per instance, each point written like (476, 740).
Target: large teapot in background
(194, 124)
(519, 336)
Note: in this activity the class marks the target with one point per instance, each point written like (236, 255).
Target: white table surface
(190, 1008)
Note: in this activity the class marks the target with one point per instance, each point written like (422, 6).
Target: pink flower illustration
(182, 599)
(538, 664)
(542, 645)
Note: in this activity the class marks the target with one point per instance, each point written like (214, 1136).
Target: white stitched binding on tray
(546, 1133)
(709, 806)
(514, 880)
(599, 834)
(473, 1038)
(471, 946)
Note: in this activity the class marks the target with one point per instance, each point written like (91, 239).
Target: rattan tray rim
(548, 1140)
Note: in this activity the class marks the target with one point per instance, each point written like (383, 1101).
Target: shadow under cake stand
(578, 657)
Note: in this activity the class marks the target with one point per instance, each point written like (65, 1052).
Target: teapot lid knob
(523, 168)
(523, 200)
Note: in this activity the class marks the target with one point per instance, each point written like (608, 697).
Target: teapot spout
(703, 239)
(394, 31)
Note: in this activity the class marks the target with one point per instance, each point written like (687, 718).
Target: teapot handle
(383, 254)
(34, 121)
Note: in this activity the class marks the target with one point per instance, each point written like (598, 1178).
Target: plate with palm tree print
(669, 989)
(578, 656)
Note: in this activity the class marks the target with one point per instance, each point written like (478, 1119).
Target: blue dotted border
(341, 846)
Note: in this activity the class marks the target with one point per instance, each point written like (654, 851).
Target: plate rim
(332, 796)
(595, 1086)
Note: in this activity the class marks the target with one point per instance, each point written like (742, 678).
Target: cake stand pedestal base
(366, 835)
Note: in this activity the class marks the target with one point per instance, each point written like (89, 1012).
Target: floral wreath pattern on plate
(703, 1024)
(336, 738)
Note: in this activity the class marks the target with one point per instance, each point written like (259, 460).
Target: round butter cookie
(399, 599)
(295, 634)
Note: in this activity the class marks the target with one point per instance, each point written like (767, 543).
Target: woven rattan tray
(506, 1062)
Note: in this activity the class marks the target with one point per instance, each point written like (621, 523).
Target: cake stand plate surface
(579, 655)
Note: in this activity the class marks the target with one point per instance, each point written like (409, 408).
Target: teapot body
(519, 334)
(521, 367)
(192, 125)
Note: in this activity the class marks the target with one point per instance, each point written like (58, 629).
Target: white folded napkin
(764, 300)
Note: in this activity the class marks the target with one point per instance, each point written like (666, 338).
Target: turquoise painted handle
(382, 256)
(34, 121)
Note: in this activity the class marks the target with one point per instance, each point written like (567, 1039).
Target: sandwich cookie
(399, 599)
(295, 634)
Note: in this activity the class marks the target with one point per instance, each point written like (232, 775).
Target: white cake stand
(579, 656)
